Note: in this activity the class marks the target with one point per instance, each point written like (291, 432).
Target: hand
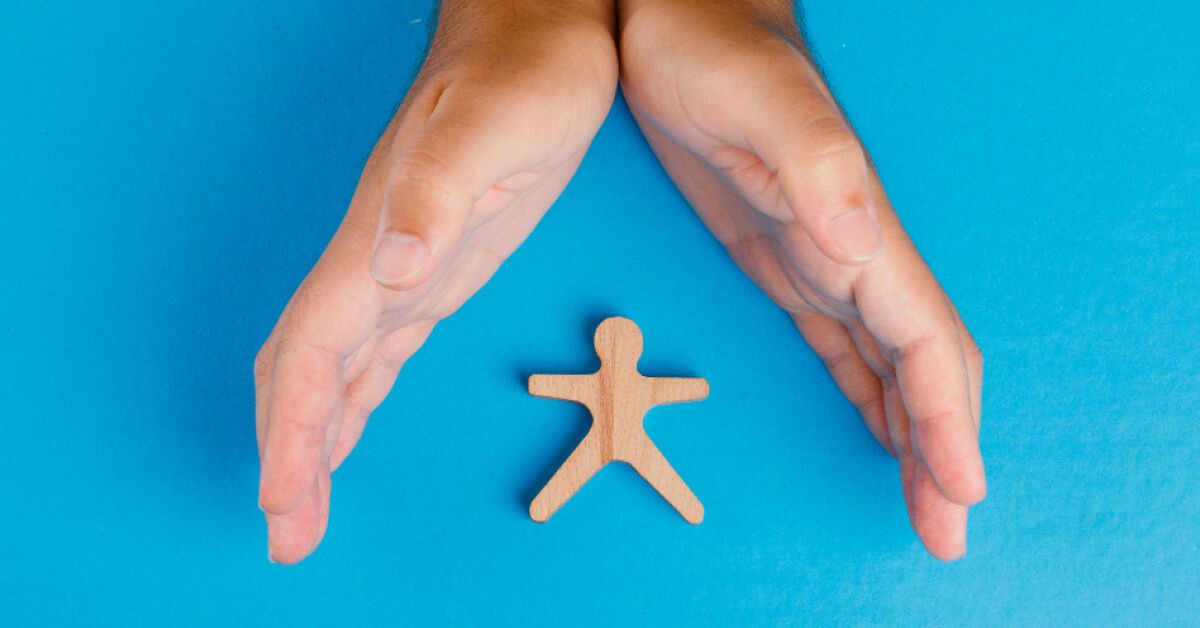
(729, 99)
(494, 126)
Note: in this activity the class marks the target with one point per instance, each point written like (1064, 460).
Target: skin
(733, 106)
(495, 125)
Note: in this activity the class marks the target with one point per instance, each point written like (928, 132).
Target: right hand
(494, 126)
(737, 112)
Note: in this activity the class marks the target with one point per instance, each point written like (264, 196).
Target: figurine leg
(580, 466)
(653, 466)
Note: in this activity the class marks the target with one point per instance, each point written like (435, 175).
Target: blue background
(169, 172)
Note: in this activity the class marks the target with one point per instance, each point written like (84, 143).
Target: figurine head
(618, 341)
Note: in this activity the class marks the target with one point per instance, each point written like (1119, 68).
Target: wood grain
(618, 397)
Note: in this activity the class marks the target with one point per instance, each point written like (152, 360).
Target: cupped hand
(494, 126)
(741, 119)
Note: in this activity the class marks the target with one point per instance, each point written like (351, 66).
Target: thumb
(822, 168)
(422, 217)
(433, 186)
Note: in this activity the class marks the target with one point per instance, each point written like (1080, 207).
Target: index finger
(903, 306)
(304, 397)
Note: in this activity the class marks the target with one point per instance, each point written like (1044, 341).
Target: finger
(974, 358)
(367, 391)
(304, 399)
(897, 417)
(832, 343)
(294, 535)
(799, 134)
(940, 523)
(472, 153)
(908, 467)
(905, 310)
(264, 363)
(869, 349)
(942, 426)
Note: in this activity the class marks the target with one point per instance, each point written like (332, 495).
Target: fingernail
(857, 234)
(398, 257)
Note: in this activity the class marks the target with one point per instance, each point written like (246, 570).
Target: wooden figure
(617, 397)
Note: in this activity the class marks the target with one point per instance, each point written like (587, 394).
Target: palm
(376, 328)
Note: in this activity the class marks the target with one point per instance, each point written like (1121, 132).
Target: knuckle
(306, 300)
(839, 361)
(311, 434)
(789, 301)
(262, 363)
(935, 417)
(426, 176)
(871, 407)
(974, 355)
(832, 144)
(901, 441)
(388, 362)
(424, 166)
(313, 376)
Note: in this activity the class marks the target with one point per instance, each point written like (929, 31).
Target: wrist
(772, 14)
(466, 20)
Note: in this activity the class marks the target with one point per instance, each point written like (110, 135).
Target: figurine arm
(678, 389)
(577, 388)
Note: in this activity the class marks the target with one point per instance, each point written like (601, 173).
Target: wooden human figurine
(618, 398)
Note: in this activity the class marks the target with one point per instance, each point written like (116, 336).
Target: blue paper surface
(170, 171)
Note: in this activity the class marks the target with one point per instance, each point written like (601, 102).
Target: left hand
(732, 104)
(494, 126)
